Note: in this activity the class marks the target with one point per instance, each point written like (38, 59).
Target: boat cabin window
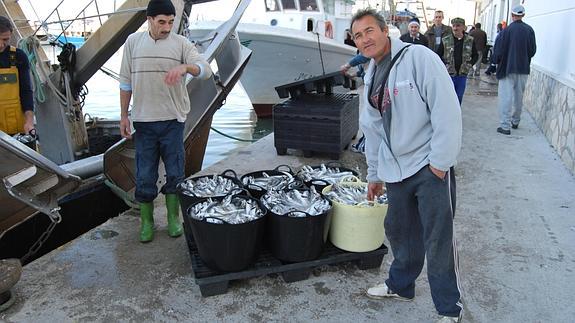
(272, 5)
(310, 24)
(288, 4)
(308, 5)
(329, 7)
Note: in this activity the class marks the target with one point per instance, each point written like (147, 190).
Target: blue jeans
(459, 83)
(157, 139)
(419, 224)
(510, 92)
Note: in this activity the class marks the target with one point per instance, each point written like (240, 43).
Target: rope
(232, 137)
(320, 52)
(30, 47)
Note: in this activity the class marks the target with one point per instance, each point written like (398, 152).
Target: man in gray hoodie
(413, 152)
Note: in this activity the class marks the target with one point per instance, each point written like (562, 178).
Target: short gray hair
(368, 12)
(5, 25)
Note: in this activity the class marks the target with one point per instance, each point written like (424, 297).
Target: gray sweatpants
(477, 65)
(510, 92)
(419, 225)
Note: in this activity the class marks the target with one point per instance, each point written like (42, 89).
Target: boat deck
(514, 221)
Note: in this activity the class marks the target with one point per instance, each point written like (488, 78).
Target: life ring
(328, 29)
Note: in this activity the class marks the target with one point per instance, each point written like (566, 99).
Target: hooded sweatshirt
(425, 125)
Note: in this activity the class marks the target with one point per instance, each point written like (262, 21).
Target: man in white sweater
(153, 71)
(412, 126)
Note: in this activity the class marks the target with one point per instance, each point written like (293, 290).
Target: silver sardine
(215, 186)
(331, 175)
(231, 210)
(352, 195)
(296, 203)
(268, 182)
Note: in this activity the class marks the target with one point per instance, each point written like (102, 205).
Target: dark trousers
(154, 140)
(459, 83)
(419, 225)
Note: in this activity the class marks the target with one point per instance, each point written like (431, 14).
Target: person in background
(480, 42)
(436, 32)
(348, 39)
(154, 69)
(458, 53)
(359, 61)
(492, 65)
(514, 48)
(413, 35)
(16, 95)
(412, 126)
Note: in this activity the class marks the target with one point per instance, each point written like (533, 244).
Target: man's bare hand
(374, 190)
(175, 74)
(28, 126)
(28, 122)
(125, 129)
(344, 68)
(437, 172)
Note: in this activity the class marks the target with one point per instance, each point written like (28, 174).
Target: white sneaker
(381, 291)
(449, 319)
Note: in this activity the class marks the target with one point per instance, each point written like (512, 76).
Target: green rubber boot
(147, 220)
(173, 206)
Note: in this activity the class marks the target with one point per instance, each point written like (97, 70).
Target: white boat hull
(281, 56)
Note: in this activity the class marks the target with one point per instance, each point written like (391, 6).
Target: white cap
(518, 10)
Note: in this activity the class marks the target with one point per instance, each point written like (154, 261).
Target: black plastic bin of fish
(297, 225)
(260, 182)
(228, 232)
(323, 175)
(198, 188)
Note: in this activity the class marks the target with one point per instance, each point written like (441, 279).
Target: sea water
(235, 118)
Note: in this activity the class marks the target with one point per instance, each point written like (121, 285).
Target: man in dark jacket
(514, 48)
(480, 41)
(413, 35)
(436, 32)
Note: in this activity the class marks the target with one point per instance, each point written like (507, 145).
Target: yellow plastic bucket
(356, 228)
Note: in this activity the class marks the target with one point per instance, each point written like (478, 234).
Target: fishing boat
(281, 56)
(291, 41)
(76, 158)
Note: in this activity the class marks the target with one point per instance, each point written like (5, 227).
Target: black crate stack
(315, 119)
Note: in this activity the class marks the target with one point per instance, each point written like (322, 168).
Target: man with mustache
(154, 69)
(412, 126)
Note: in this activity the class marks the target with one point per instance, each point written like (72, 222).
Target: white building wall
(550, 92)
(551, 21)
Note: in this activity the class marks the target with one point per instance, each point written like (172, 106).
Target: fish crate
(213, 283)
(316, 122)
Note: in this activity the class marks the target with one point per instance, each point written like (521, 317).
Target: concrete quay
(515, 225)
